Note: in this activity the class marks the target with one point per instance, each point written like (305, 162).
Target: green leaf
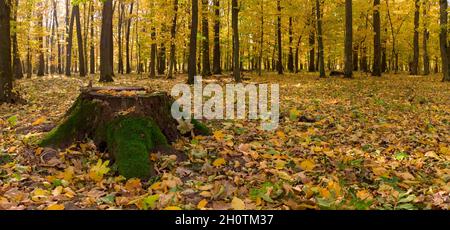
(12, 120)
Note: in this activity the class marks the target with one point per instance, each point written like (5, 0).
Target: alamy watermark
(214, 102)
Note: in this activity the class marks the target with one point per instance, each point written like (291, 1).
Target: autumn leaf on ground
(97, 171)
(237, 204)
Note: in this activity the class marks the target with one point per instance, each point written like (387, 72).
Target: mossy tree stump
(128, 122)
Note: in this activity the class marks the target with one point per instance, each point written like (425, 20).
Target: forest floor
(364, 143)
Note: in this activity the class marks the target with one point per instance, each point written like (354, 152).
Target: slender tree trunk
(6, 77)
(106, 43)
(121, 11)
(153, 53)
(415, 62)
(193, 43)
(206, 66)
(235, 25)
(92, 47)
(312, 42)
(127, 45)
(261, 41)
(279, 40)
(426, 35)
(377, 39)
(320, 40)
(17, 64)
(69, 44)
(173, 32)
(355, 58)
(217, 69)
(76, 11)
(291, 49)
(41, 67)
(443, 39)
(348, 71)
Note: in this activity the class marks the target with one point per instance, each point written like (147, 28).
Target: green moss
(78, 121)
(130, 140)
(200, 128)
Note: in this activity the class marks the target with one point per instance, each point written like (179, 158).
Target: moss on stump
(129, 123)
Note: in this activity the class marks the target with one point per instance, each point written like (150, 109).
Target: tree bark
(106, 43)
(41, 67)
(81, 62)
(69, 44)
(173, 32)
(443, 39)
(121, 10)
(320, 40)
(426, 35)
(261, 41)
(291, 49)
(415, 62)
(92, 47)
(6, 77)
(348, 69)
(17, 64)
(279, 40)
(206, 66)
(217, 69)
(235, 25)
(377, 39)
(127, 42)
(193, 43)
(312, 42)
(153, 53)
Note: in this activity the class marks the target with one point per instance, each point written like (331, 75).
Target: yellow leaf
(55, 207)
(237, 204)
(364, 195)
(97, 171)
(156, 186)
(219, 162)
(281, 134)
(39, 121)
(133, 184)
(280, 164)
(202, 204)
(172, 208)
(308, 165)
(67, 175)
(380, 171)
(445, 150)
(57, 191)
(219, 135)
(39, 151)
(205, 194)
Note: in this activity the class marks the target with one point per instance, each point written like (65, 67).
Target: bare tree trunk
(41, 67)
(206, 66)
(235, 25)
(377, 39)
(415, 62)
(443, 39)
(193, 43)
(173, 32)
(348, 71)
(17, 64)
(127, 42)
(92, 48)
(320, 40)
(291, 49)
(261, 41)
(76, 11)
(106, 43)
(279, 40)
(153, 53)
(69, 44)
(217, 69)
(6, 77)
(312, 42)
(426, 35)
(121, 11)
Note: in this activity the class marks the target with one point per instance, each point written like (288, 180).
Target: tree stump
(128, 122)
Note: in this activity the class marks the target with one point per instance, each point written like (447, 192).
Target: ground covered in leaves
(342, 144)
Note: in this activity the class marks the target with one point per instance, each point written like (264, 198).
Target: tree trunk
(348, 70)
(279, 41)
(426, 35)
(261, 41)
(443, 39)
(76, 11)
(129, 138)
(69, 44)
(153, 53)
(106, 43)
(320, 40)
(41, 67)
(121, 10)
(92, 48)
(17, 64)
(312, 42)
(415, 62)
(173, 32)
(192, 68)
(217, 69)
(377, 39)
(6, 77)
(291, 49)
(235, 25)
(127, 42)
(206, 66)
